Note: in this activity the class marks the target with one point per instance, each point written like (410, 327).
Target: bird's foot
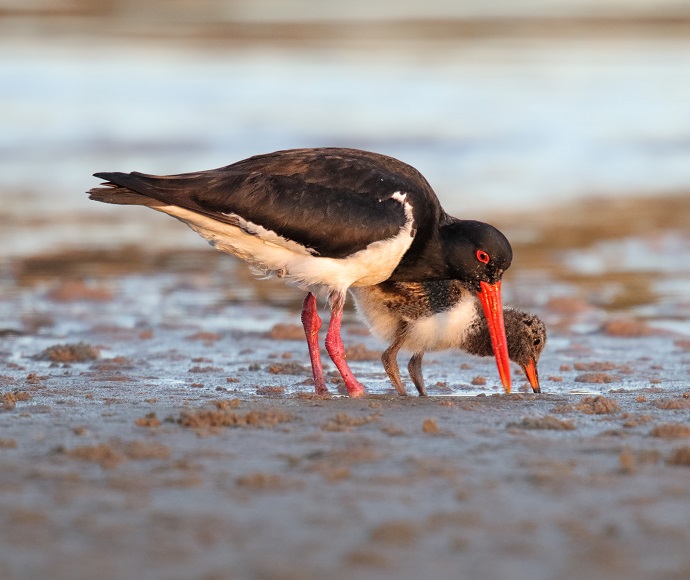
(336, 350)
(355, 389)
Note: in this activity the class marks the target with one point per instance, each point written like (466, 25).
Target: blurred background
(515, 111)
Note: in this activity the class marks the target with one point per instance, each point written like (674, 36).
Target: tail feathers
(121, 196)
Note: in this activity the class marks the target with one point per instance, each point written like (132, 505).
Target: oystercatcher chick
(330, 218)
(439, 315)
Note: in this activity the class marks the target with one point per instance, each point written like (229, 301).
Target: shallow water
(204, 322)
(514, 124)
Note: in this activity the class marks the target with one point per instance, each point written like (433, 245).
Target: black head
(475, 252)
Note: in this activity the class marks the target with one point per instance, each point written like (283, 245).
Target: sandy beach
(158, 422)
(103, 477)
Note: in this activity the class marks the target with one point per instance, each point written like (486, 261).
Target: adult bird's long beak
(532, 375)
(490, 297)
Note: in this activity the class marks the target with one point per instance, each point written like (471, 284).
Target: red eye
(482, 256)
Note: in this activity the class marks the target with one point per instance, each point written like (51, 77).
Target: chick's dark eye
(537, 341)
(482, 256)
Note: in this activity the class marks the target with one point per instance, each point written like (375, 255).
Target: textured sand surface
(157, 422)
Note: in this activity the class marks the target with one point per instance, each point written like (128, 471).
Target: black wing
(334, 201)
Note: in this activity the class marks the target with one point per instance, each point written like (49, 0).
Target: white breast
(436, 332)
(441, 331)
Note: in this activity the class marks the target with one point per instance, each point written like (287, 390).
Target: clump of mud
(345, 422)
(632, 420)
(677, 404)
(70, 353)
(595, 366)
(671, 431)
(630, 459)
(630, 328)
(74, 290)
(396, 533)
(225, 417)
(430, 427)
(286, 332)
(110, 455)
(568, 305)
(360, 352)
(10, 400)
(548, 422)
(680, 456)
(599, 405)
(207, 337)
(288, 368)
(270, 391)
(148, 420)
(104, 454)
(267, 482)
(596, 378)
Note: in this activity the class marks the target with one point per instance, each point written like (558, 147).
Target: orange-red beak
(532, 375)
(490, 296)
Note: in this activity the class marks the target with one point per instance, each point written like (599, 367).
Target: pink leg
(335, 348)
(312, 323)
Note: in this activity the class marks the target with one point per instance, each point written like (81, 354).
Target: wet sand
(157, 422)
(297, 487)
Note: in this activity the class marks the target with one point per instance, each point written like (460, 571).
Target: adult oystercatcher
(330, 218)
(439, 315)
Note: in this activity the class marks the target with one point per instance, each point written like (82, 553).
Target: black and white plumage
(440, 315)
(329, 218)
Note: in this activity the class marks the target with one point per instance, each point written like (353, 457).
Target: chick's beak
(532, 375)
